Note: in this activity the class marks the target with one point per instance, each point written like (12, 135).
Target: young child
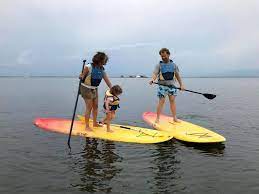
(111, 103)
(92, 76)
(166, 72)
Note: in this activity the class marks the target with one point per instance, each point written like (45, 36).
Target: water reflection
(166, 168)
(212, 149)
(96, 166)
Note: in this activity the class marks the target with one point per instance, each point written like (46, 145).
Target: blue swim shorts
(163, 91)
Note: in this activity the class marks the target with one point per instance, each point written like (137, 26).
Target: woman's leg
(88, 109)
(95, 111)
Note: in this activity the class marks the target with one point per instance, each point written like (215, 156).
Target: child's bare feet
(157, 120)
(110, 131)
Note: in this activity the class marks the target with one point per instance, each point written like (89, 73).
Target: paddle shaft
(191, 91)
(73, 118)
(154, 135)
(178, 88)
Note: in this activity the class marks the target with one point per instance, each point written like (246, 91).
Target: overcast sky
(51, 37)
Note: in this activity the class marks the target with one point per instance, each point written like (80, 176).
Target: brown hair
(164, 50)
(116, 90)
(99, 58)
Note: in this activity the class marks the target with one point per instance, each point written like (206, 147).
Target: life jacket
(166, 70)
(94, 77)
(114, 104)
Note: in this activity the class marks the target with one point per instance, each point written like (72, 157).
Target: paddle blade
(209, 96)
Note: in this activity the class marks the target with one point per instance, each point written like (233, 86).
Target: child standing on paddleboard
(166, 72)
(91, 78)
(110, 105)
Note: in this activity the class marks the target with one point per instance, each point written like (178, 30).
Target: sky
(52, 37)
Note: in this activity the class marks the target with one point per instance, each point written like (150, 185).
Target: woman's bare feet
(176, 120)
(87, 128)
(157, 120)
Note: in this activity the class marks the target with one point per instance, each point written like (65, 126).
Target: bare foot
(157, 120)
(97, 125)
(110, 131)
(176, 120)
(87, 128)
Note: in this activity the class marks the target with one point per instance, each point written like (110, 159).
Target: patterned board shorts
(163, 91)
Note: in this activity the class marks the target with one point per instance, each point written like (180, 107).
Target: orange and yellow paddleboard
(183, 130)
(120, 133)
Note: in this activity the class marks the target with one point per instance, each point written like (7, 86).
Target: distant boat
(133, 76)
(141, 76)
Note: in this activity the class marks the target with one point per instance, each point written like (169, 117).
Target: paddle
(209, 96)
(140, 131)
(73, 118)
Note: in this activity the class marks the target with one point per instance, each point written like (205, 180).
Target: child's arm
(107, 80)
(178, 77)
(107, 105)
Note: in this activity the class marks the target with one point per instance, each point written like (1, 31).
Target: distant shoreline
(18, 76)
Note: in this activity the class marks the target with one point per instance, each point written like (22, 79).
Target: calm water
(35, 161)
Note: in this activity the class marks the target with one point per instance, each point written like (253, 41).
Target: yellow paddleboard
(120, 132)
(183, 130)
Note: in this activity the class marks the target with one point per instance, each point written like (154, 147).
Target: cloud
(134, 45)
(200, 33)
(25, 57)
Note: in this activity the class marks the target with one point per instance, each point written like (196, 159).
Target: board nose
(37, 122)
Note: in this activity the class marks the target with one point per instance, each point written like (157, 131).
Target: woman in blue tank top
(91, 78)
